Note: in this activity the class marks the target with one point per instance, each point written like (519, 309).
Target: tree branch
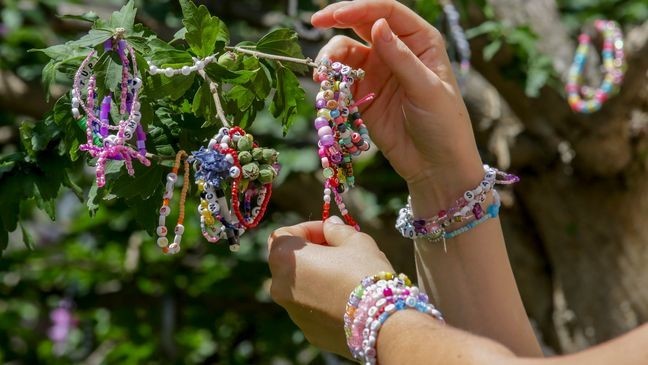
(213, 87)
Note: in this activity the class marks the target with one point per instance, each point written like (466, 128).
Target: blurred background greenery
(94, 290)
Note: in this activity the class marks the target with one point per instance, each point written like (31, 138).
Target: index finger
(312, 231)
(360, 15)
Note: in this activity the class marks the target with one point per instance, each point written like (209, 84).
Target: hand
(418, 120)
(313, 281)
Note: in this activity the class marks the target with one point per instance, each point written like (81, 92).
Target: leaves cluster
(178, 112)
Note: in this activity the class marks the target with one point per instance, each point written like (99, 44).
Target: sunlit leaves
(205, 33)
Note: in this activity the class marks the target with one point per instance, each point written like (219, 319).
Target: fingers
(360, 15)
(306, 231)
(419, 36)
(410, 71)
(346, 50)
(337, 233)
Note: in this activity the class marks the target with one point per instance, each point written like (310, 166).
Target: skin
(420, 123)
(312, 282)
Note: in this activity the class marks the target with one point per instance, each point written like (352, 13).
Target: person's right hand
(418, 119)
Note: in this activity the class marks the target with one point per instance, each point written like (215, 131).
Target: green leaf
(145, 181)
(283, 42)
(160, 87)
(89, 17)
(124, 18)
(491, 49)
(241, 95)
(164, 55)
(93, 38)
(486, 27)
(28, 240)
(203, 105)
(205, 34)
(287, 96)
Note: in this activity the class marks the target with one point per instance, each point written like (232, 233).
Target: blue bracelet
(491, 212)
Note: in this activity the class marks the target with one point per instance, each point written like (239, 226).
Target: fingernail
(385, 32)
(334, 219)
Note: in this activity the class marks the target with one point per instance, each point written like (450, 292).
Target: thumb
(336, 232)
(403, 63)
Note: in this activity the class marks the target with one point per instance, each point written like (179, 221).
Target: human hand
(418, 119)
(313, 281)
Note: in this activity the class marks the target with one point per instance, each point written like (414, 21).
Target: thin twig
(151, 156)
(307, 61)
(213, 87)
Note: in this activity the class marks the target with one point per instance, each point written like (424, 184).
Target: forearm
(410, 337)
(472, 282)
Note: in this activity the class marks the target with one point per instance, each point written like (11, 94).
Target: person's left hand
(312, 281)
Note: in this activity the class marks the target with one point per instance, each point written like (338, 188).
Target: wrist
(433, 191)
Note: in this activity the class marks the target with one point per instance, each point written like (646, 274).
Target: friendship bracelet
(165, 209)
(584, 99)
(491, 212)
(358, 292)
(377, 302)
(341, 130)
(99, 142)
(464, 209)
(232, 159)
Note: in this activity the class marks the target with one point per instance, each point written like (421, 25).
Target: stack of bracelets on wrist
(100, 143)
(231, 160)
(370, 305)
(585, 99)
(341, 130)
(466, 209)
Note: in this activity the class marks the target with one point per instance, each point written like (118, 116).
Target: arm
(313, 282)
(421, 125)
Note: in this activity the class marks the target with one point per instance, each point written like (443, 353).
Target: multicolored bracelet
(583, 99)
(466, 208)
(100, 143)
(377, 302)
(341, 130)
(231, 160)
(165, 209)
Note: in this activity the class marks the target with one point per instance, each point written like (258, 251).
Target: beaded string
(233, 158)
(584, 99)
(466, 208)
(459, 38)
(341, 130)
(99, 142)
(165, 209)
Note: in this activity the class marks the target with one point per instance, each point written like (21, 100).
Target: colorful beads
(100, 143)
(465, 209)
(370, 305)
(165, 209)
(341, 131)
(233, 160)
(583, 99)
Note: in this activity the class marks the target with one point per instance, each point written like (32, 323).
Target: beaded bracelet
(165, 209)
(585, 99)
(465, 208)
(379, 300)
(491, 212)
(358, 292)
(341, 130)
(99, 142)
(233, 159)
(459, 38)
